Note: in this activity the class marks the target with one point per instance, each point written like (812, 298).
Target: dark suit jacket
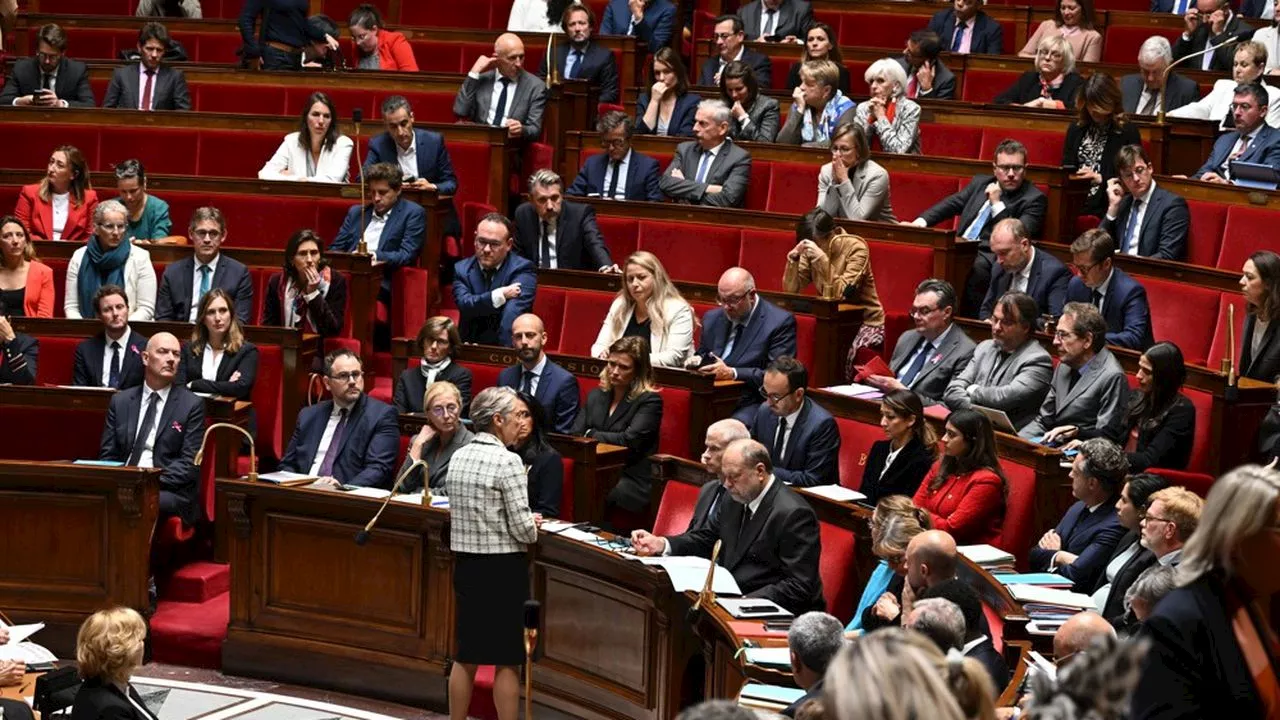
(411, 385)
(641, 182)
(526, 101)
(793, 18)
(902, 478)
(434, 164)
(682, 115)
(1264, 149)
(731, 170)
(633, 425)
(557, 393)
(1203, 38)
(18, 709)
(1113, 608)
(813, 693)
(327, 311)
(710, 495)
(89, 357)
(245, 362)
(178, 433)
(1165, 225)
(369, 447)
(1178, 91)
(811, 456)
(1266, 366)
(1047, 285)
(1116, 138)
(168, 93)
(173, 300)
(654, 28)
(774, 557)
(579, 245)
(72, 84)
(1167, 443)
(985, 653)
(758, 62)
(988, 37)
(944, 81)
(97, 700)
(769, 333)
(1252, 8)
(597, 66)
(1124, 307)
(1089, 535)
(1026, 203)
(18, 360)
(478, 320)
(401, 241)
(1027, 88)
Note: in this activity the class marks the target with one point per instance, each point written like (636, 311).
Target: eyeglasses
(732, 299)
(724, 36)
(351, 376)
(441, 411)
(206, 234)
(1135, 173)
(488, 244)
(432, 342)
(922, 311)
(1084, 269)
(1153, 518)
(771, 398)
(1011, 168)
(1062, 334)
(614, 143)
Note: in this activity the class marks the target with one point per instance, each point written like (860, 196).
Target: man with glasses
(1121, 299)
(1144, 218)
(741, 337)
(926, 358)
(555, 388)
(555, 234)
(185, 282)
(493, 287)
(1020, 267)
(50, 79)
(1078, 548)
(619, 173)
(802, 437)
(1252, 141)
(350, 439)
(730, 35)
(1173, 514)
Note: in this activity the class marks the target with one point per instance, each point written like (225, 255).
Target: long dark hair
(834, 53)
(304, 132)
(291, 249)
(977, 431)
(1168, 373)
(1267, 264)
(671, 59)
(536, 443)
(905, 403)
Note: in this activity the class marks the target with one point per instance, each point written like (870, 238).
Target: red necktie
(146, 91)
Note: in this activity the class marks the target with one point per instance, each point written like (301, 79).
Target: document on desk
(19, 633)
(690, 573)
(286, 478)
(839, 493)
(369, 492)
(774, 657)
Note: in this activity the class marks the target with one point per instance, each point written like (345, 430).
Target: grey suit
(1096, 405)
(168, 93)
(731, 170)
(525, 104)
(864, 196)
(1016, 384)
(764, 119)
(944, 362)
(437, 464)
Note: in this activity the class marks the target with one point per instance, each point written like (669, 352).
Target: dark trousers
(276, 59)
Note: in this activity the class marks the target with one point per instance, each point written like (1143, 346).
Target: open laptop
(1254, 175)
(998, 419)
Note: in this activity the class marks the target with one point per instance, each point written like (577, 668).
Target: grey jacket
(731, 170)
(944, 362)
(762, 125)
(1096, 405)
(864, 196)
(1017, 385)
(525, 105)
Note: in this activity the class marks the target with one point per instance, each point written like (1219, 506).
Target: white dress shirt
(408, 159)
(530, 16)
(1137, 226)
(623, 168)
(536, 372)
(495, 94)
(149, 439)
(196, 297)
(373, 231)
(210, 360)
(327, 437)
(106, 355)
(61, 208)
(893, 455)
(1023, 277)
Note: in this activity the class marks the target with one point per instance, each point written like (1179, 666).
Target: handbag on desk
(56, 690)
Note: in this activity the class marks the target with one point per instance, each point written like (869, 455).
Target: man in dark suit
(149, 85)
(925, 359)
(1252, 140)
(1141, 91)
(350, 439)
(498, 91)
(927, 77)
(814, 639)
(185, 282)
(931, 558)
(619, 173)
(1078, 547)
(1159, 226)
(420, 154)
(1021, 267)
(706, 510)
(1011, 371)
(19, 353)
(159, 424)
(552, 233)
(768, 534)
(977, 641)
(987, 200)
(493, 287)
(966, 29)
(394, 226)
(113, 357)
(582, 59)
(742, 336)
(774, 20)
(1121, 299)
(50, 79)
(649, 20)
(730, 38)
(802, 436)
(1211, 23)
(555, 388)
(710, 170)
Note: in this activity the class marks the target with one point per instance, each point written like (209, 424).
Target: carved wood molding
(128, 495)
(237, 508)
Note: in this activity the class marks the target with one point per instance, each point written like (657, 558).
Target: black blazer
(944, 81)
(411, 385)
(546, 483)
(710, 495)
(597, 66)
(178, 433)
(1117, 137)
(173, 300)
(97, 700)
(579, 245)
(985, 653)
(904, 475)
(635, 425)
(1027, 88)
(1026, 203)
(1178, 91)
(168, 92)
(1113, 609)
(758, 62)
(328, 312)
(244, 361)
(1165, 225)
(72, 84)
(15, 709)
(89, 356)
(1047, 285)
(1203, 38)
(1167, 444)
(1266, 366)
(18, 359)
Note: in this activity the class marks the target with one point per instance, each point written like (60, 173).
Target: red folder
(875, 366)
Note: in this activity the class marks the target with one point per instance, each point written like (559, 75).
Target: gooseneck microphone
(363, 536)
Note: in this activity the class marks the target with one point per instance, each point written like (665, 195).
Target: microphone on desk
(362, 536)
(253, 454)
(357, 116)
(1232, 391)
(1164, 77)
(532, 623)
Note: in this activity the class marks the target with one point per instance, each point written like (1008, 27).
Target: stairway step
(191, 634)
(198, 582)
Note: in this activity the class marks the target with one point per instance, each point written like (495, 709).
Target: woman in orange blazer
(59, 207)
(394, 51)
(964, 492)
(24, 281)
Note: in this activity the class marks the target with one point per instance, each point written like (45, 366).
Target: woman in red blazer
(59, 207)
(965, 491)
(24, 281)
(394, 51)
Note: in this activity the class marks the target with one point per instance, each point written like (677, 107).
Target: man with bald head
(741, 336)
(710, 498)
(1077, 634)
(931, 558)
(159, 424)
(555, 388)
(500, 92)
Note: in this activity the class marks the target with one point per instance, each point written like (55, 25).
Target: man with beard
(555, 388)
(558, 235)
(581, 59)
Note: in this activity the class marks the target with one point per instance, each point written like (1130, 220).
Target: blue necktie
(571, 64)
(204, 281)
(917, 365)
(1129, 239)
(974, 231)
(703, 165)
(958, 40)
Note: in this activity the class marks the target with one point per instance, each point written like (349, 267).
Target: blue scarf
(100, 267)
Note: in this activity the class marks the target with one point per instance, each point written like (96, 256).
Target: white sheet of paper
(737, 608)
(852, 389)
(839, 493)
(690, 573)
(985, 554)
(19, 633)
(579, 535)
(1050, 596)
(371, 492)
(28, 652)
(281, 476)
(409, 498)
(769, 657)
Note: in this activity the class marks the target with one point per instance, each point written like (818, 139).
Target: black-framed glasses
(350, 376)
(772, 398)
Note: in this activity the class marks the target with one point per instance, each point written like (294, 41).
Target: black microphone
(532, 615)
(357, 115)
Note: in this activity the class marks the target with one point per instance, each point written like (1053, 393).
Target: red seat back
(913, 193)
(1219, 348)
(566, 490)
(57, 361)
(1183, 314)
(758, 185)
(587, 310)
(764, 254)
(715, 248)
(268, 401)
(1248, 230)
(1121, 43)
(957, 141)
(856, 439)
(1198, 483)
(673, 436)
(548, 304)
(982, 86)
(840, 585)
(1019, 512)
(1205, 235)
(793, 188)
(675, 510)
(1044, 147)
(621, 234)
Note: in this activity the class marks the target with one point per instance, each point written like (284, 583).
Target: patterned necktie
(335, 445)
(958, 40)
(204, 281)
(113, 380)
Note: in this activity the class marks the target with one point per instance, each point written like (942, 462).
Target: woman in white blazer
(542, 16)
(1217, 104)
(648, 306)
(315, 152)
(853, 185)
(109, 258)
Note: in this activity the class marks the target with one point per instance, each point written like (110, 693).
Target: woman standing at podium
(491, 528)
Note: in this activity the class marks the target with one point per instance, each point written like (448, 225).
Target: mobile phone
(755, 608)
(777, 625)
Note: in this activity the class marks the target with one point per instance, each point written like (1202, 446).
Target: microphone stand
(708, 596)
(1164, 77)
(253, 454)
(357, 115)
(1232, 392)
(532, 621)
(553, 72)
(362, 536)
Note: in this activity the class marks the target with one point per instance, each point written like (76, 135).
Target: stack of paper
(1046, 604)
(742, 608)
(690, 573)
(853, 390)
(987, 556)
(288, 479)
(772, 698)
(18, 648)
(1042, 579)
(771, 657)
(839, 493)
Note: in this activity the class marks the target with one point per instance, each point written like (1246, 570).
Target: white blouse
(61, 208)
(139, 284)
(530, 16)
(333, 167)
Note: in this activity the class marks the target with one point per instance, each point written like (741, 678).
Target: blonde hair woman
(895, 521)
(108, 651)
(1054, 83)
(440, 437)
(648, 306)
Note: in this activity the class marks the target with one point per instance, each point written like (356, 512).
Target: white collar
(1151, 190)
(1026, 269)
(937, 342)
(737, 57)
(715, 150)
(754, 505)
(413, 145)
(969, 646)
(123, 339)
(212, 264)
(539, 367)
(791, 419)
(1106, 284)
(162, 392)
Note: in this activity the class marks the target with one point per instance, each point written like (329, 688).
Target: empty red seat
(1198, 483)
(913, 193)
(758, 185)
(1205, 236)
(1219, 348)
(1020, 511)
(840, 585)
(982, 86)
(764, 254)
(56, 363)
(1044, 147)
(695, 253)
(584, 312)
(1121, 42)
(793, 188)
(675, 509)
(957, 141)
(1203, 402)
(673, 436)
(268, 401)
(1247, 231)
(621, 234)
(548, 304)
(1183, 314)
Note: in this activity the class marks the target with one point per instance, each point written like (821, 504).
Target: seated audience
(1129, 557)
(927, 77)
(1147, 219)
(421, 154)
(1099, 132)
(113, 357)
(618, 173)
(931, 558)
(1021, 267)
(534, 16)
(819, 44)
(651, 21)
(755, 117)
(283, 32)
(307, 293)
(1252, 141)
(1072, 20)
(1171, 518)
(1161, 416)
(493, 287)
(668, 108)
(898, 464)
(554, 388)
(50, 79)
(439, 438)
(1079, 546)
(775, 20)
(1260, 340)
(894, 522)
(219, 360)
(1142, 89)
(718, 169)
(438, 342)
(316, 151)
(555, 234)
(741, 337)
(625, 410)
(813, 638)
(581, 58)
(1089, 393)
(349, 439)
(19, 353)
(965, 28)
(186, 281)
(648, 306)
(109, 259)
(159, 424)
(1011, 371)
(498, 91)
(109, 650)
(730, 38)
(376, 47)
(544, 466)
(1145, 593)
(706, 510)
(977, 642)
(1210, 28)
(1121, 299)
(853, 185)
(817, 106)
(927, 357)
(1053, 84)
(802, 437)
(769, 533)
(148, 215)
(965, 491)
(888, 116)
(60, 206)
(939, 620)
(151, 84)
(26, 284)
(1250, 58)
(1077, 634)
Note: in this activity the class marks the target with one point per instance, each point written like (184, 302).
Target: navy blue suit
(769, 333)
(641, 181)
(178, 432)
(1047, 285)
(402, 236)
(1264, 150)
(1165, 225)
(682, 115)
(578, 243)
(557, 393)
(811, 456)
(1124, 307)
(1091, 536)
(478, 320)
(597, 66)
(173, 300)
(369, 445)
(90, 354)
(988, 36)
(655, 25)
(18, 359)
(434, 164)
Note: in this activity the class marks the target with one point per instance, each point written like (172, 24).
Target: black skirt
(489, 595)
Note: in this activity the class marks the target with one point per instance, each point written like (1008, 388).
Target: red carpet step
(191, 617)
(198, 582)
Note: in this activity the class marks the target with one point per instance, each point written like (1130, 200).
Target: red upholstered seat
(1183, 314)
(1198, 483)
(621, 234)
(869, 29)
(1205, 236)
(548, 304)
(267, 400)
(1248, 229)
(440, 57)
(793, 188)
(699, 257)
(840, 585)
(675, 510)
(410, 302)
(957, 141)
(1203, 402)
(996, 623)
(1219, 348)
(56, 363)
(982, 86)
(806, 350)
(1044, 147)
(566, 490)
(913, 193)
(29, 145)
(1120, 43)
(898, 268)
(758, 185)
(251, 152)
(165, 151)
(764, 254)
(259, 100)
(1019, 512)
(673, 437)
(856, 439)
(858, 86)
(482, 376)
